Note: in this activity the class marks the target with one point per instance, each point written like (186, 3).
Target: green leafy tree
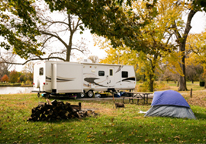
(22, 78)
(154, 38)
(113, 19)
(18, 27)
(117, 21)
(13, 76)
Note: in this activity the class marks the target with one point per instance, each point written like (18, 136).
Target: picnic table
(138, 96)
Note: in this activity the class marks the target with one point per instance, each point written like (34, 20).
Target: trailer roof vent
(87, 61)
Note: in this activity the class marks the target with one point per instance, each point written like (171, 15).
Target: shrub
(5, 78)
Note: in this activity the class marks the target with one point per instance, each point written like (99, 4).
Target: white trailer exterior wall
(70, 77)
(101, 77)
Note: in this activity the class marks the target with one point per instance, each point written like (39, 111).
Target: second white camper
(53, 77)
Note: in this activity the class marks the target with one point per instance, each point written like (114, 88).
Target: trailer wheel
(81, 95)
(90, 94)
(38, 94)
(47, 95)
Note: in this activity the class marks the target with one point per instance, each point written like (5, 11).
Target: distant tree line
(13, 76)
(17, 77)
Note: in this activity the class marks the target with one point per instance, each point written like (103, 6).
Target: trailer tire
(47, 95)
(90, 94)
(81, 95)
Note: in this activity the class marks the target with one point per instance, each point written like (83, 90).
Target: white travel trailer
(52, 77)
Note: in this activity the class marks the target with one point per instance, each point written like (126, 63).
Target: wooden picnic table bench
(137, 96)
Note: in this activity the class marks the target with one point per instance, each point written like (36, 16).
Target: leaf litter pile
(57, 110)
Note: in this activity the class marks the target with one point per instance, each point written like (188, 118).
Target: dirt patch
(198, 98)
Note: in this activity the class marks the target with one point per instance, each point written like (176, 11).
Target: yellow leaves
(109, 141)
(40, 136)
(160, 139)
(177, 137)
(90, 136)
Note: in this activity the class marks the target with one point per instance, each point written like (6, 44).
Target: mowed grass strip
(123, 125)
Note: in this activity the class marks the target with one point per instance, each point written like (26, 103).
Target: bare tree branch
(56, 36)
(32, 60)
(78, 49)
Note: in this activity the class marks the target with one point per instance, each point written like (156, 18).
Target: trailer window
(101, 73)
(111, 72)
(124, 74)
(41, 71)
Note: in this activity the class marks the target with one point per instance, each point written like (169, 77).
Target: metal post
(80, 106)
(191, 93)
(144, 98)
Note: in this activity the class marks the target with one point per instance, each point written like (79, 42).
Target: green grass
(14, 85)
(9, 84)
(164, 85)
(123, 125)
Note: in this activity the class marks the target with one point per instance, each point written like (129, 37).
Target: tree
(5, 78)
(22, 78)
(13, 76)
(156, 41)
(28, 68)
(4, 67)
(94, 58)
(18, 27)
(62, 29)
(113, 19)
(51, 28)
(192, 7)
(196, 47)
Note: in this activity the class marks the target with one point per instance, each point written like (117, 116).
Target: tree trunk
(151, 76)
(69, 48)
(182, 42)
(182, 81)
(151, 83)
(68, 54)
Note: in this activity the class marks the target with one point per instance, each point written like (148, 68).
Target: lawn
(123, 125)
(15, 85)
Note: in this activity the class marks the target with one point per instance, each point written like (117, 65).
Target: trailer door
(111, 78)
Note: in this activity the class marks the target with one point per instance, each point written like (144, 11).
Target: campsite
(112, 125)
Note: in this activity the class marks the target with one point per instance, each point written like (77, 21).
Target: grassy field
(123, 125)
(15, 85)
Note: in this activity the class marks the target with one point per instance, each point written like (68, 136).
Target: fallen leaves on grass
(177, 137)
(109, 141)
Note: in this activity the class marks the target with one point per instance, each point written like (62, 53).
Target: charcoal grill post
(123, 100)
(147, 98)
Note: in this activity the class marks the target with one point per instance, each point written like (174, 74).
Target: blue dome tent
(170, 104)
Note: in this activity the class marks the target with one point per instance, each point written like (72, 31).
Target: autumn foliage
(5, 78)
(13, 76)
